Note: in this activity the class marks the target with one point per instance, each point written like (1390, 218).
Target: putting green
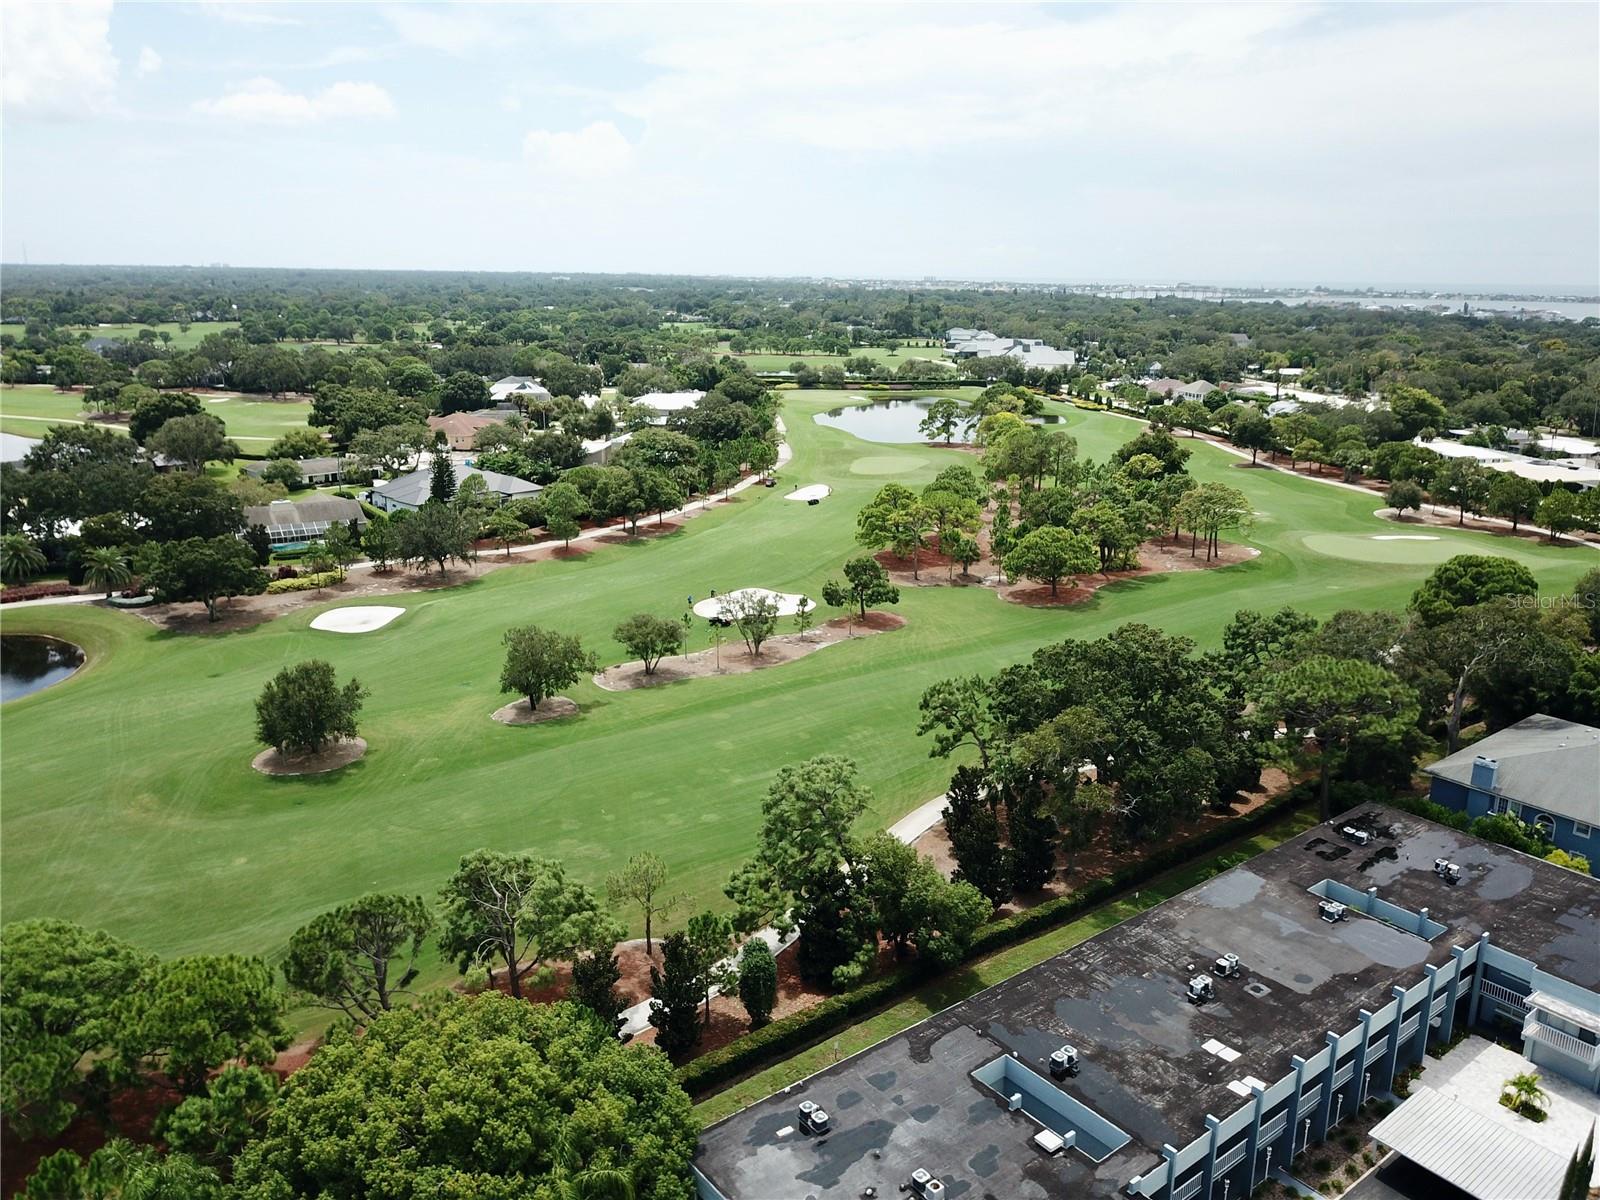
(887, 464)
(1415, 548)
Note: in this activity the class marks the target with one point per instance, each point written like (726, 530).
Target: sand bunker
(788, 603)
(1404, 537)
(363, 619)
(812, 491)
(339, 754)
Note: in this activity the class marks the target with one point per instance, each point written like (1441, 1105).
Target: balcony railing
(1188, 1188)
(1585, 1052)
(1505, 995)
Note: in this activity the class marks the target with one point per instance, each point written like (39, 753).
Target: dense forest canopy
(1490, 370)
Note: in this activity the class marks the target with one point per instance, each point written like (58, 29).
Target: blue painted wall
(1477, 803)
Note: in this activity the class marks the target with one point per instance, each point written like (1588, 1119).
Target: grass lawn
(780, 362)
(182, 339)
(130, 803)
(29, 409)
(973, 977)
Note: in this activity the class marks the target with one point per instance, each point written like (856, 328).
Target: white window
(1546, 823)
(1498, 805)
(1515, 808)
(1579, 829)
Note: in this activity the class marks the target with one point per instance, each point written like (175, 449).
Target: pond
(28, 664)
(893, 421)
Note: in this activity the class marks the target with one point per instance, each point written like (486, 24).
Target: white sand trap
(355, 620)
(812, 491)
(1404, 537)
(788, 602)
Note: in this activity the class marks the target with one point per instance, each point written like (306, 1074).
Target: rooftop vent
(927, 1185)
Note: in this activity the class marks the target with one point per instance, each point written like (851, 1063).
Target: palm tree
(1523, 1092)
(19, 558)
(574, 1181)
(105, 568)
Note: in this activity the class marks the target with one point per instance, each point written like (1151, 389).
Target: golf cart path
(636, 1019)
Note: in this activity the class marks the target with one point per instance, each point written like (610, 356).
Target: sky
(1452, 145)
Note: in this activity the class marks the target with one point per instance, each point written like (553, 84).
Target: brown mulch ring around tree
(1158, 556)
(131, 1114)
(735, 659)
(340, 754)
(933, 569)
(647, 529)
(1446, 519)
(551, 708)
(552, 985)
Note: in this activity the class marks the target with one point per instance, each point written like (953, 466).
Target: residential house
(1542, 769)
(1241, 340)
(519, 389)
(314, 472)
(296, 522)
(1032, 352)
(1167, 389)
(1198, 390)
(410, 492)
(664, 403)
(597, 452)
(461, 429)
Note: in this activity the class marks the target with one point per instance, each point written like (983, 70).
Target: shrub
(1321, 1165)
(36, 591)
(286, 573)
(1352, 1168)
(1349, 1141)
(1335, 1186)
(304, 583)
(1369, 1157)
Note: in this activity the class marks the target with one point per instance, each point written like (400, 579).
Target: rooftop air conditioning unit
(1064, 1062)
(813, 1118)
(1331, 911)
(1446, 870)
(1359, 836)
(1202, 988)
(1227, 967)
(927, 1185)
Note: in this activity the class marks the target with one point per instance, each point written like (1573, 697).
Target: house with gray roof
(518, 388)
(296, 522)
(410, 492)
(1542, 769)
(314, 472)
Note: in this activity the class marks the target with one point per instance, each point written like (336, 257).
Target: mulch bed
(551, 708)
(133, 1112)
(340, 754)
(1159, 556)
(734, 659)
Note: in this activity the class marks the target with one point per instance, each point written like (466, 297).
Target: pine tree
(975, 837)
(594, 984)
(758, 981)
(675, 996)
(1575, 1184)
(442, 483)
(1033, 839)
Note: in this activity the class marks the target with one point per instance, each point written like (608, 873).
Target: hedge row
(304, 583)
(762, 1047)
(36, 591)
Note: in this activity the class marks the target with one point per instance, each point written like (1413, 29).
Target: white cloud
(149, 61)
(456, 30)
(268, 102)
(597, 149)
(239, 12)
(56, 59)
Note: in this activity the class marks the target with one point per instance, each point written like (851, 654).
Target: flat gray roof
(1544, 761)
(1149, 1060)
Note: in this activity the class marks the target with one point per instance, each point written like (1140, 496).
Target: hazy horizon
(1268, 144)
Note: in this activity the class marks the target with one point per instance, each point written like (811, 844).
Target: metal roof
(1469, 1150)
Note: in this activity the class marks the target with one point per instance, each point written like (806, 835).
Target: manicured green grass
(130, 802)
(973, 977)
(29, 409)
(182, 339)
(780, 362)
